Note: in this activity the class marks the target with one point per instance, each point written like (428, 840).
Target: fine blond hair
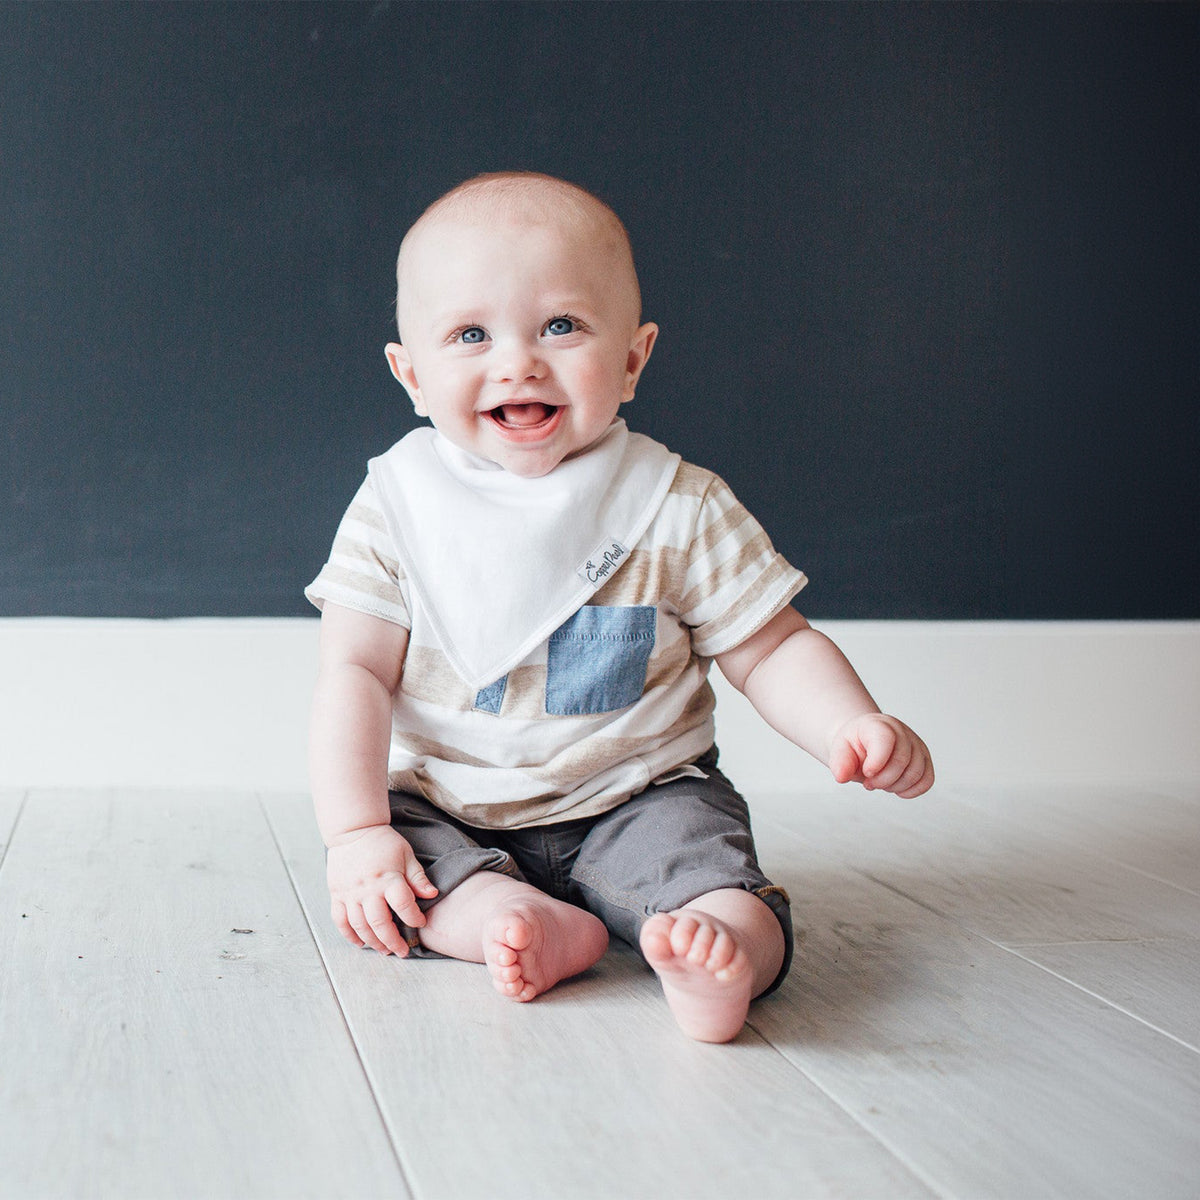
(535, 198)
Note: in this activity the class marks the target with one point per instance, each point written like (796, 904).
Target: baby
(512, 734)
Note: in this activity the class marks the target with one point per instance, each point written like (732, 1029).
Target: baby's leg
(713, 956)
(529, 940)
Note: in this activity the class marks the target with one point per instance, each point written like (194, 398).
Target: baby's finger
(886, 778)
(879, 744)
(342, 921)
(404, 904)
(909, 788)
(844, 762)
(419, 881)
(362, 926)
(383, 924)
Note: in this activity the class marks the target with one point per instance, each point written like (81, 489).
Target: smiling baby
(512, 744)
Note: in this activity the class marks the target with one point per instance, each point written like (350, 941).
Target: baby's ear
(639, 355)
(401, 365)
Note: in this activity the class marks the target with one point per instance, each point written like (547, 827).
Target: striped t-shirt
(616, 699)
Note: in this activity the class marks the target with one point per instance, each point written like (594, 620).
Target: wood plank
(1156, 832)
(992, 875)
(590, 1091)
(169, 1027)
(1159, 982)
(991, 1076)
(1010, 884)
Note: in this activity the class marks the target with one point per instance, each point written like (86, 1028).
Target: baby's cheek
(597, 378)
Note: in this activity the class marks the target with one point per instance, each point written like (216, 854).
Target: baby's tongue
(524, 414)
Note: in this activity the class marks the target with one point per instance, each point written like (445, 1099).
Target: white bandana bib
(498, 562)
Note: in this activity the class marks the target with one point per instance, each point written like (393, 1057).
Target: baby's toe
(702, 945)
(518, 934)
(655, 938)
(683, 934)
(503, 955)
(724, 951)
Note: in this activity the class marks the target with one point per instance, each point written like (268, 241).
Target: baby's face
(521, 341)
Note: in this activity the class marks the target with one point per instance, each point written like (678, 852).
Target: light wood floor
(995, 995)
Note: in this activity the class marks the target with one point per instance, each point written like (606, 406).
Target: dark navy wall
(926, 276)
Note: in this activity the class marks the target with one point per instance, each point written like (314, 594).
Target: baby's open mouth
(522, 416)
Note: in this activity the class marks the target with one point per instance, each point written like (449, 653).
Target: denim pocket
(597, 660)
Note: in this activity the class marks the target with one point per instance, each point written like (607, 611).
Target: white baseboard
(223, 703)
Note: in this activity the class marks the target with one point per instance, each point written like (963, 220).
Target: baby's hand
(883, 754)
(372, 873)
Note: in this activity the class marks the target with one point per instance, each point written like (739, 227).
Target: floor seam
(916, 1171)
(405, 1172)
(12, 833)
(1016, 952)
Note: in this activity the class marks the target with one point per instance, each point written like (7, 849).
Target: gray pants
(660, 850)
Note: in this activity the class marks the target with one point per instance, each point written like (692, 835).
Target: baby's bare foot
(706, 977)
(532, 943)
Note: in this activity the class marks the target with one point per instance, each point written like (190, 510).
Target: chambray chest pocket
(597, 660)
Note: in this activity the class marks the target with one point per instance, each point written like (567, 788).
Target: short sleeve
(736, 581)
(363, 572)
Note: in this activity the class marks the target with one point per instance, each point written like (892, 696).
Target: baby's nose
(516, 360)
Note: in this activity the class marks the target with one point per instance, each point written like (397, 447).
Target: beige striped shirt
(617, 699)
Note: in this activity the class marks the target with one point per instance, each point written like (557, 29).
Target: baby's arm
(372, 870)
(802, 686)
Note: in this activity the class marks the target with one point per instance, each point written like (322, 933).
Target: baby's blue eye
(560, 326)
(473, 335)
